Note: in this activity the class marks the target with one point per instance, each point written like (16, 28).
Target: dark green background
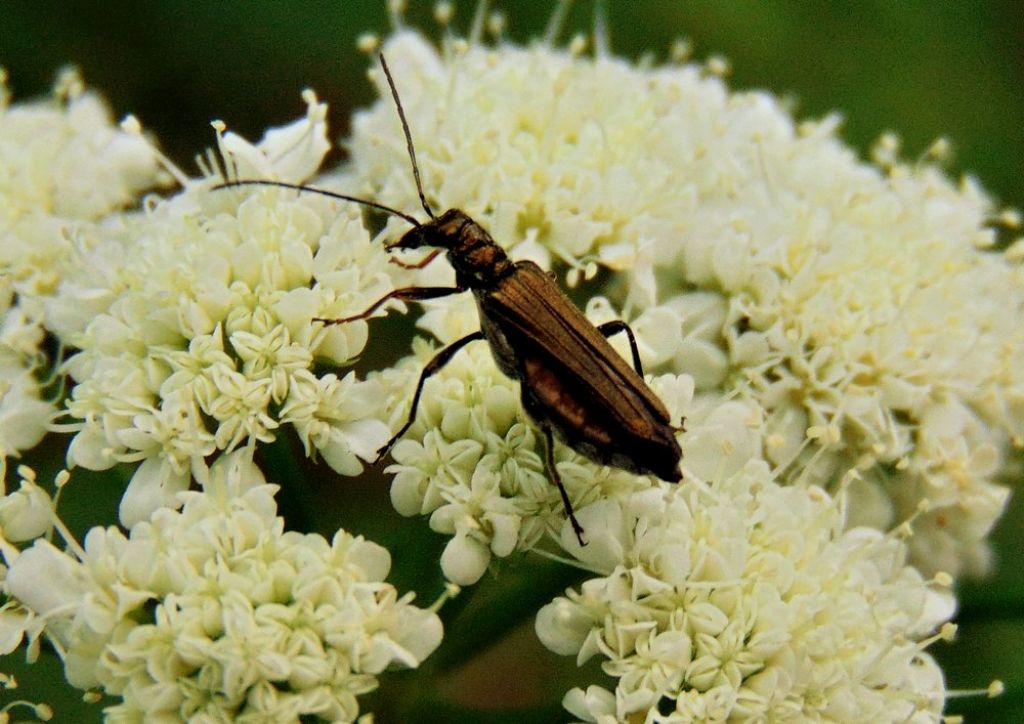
(922, 68)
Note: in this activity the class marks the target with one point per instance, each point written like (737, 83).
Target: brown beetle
(574, 384)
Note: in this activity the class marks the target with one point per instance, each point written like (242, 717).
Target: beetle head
(441, 232)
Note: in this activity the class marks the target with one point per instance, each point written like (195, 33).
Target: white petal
(464, 560)
(604, 531)
(89, 448)
(25, 514)
(45, 579)
(562, 626)
(154, 485)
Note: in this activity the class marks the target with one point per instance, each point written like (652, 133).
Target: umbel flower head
(861, 307)
(193, 321)
(65, 167)
(64, 163)
(216, 613)
(745, 600)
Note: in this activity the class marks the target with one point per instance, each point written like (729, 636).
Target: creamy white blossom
(64, 162)
(216, 613)
(27, 512)
(63, 166)
(741, 599)
(194, 323)
(24, 411)
(546, 150)
(859, 305)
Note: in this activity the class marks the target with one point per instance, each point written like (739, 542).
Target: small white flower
(47, 581)
(23, 412)
(478, 518)
(25, 513)
(215, 612)
(330, 415)
(744, 599)
(289, 153)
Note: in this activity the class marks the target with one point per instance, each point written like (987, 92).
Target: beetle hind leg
(616, 326)
(550, 456)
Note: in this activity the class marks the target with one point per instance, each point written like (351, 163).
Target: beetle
(574, 385)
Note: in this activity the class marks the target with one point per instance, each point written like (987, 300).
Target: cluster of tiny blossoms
(745, 600)
(216, 613)
(65, 167)
(860, 308)
(857, 305)
(193, 318)
(23, 410)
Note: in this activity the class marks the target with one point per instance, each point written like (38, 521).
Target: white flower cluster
(215, 613)
(856, 305)
(64, 162)
(861, 311)
(64, 166)
(746, 600)
(194, 321)
(23, 411)
(547, 151)
(58, 147)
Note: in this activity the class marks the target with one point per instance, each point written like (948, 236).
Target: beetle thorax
(477, 260)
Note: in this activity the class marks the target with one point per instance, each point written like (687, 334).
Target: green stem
(477, 619)
(282, 466)
(498, 608)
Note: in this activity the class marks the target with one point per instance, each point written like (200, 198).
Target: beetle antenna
(323, 192)
(408, 137)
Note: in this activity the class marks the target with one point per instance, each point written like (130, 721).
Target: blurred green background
(922, 68)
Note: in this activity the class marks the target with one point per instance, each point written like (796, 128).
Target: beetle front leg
(550, 450)
(433, 366)
(405, 294)
(418, 264)
(616, 326)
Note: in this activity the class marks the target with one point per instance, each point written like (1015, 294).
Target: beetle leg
(440, 360)
(406, 294)
(418, 264)
(616, 326)
(576, 527)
